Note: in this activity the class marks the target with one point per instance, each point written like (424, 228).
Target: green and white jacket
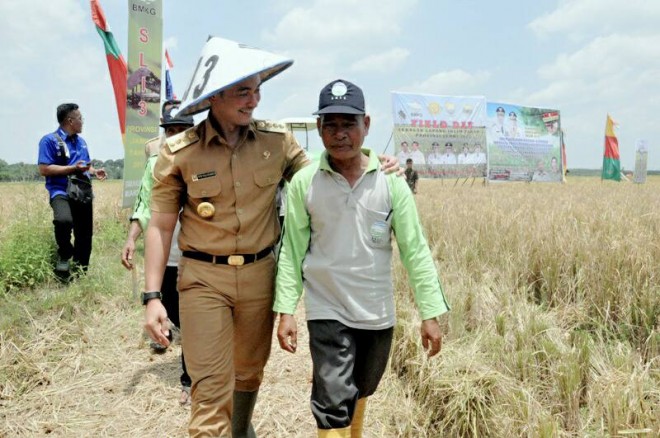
(337, 245)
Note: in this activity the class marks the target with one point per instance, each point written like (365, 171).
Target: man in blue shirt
(64, 153)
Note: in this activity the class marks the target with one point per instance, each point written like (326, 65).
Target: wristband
(147, 296)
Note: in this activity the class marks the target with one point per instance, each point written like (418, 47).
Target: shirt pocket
(376, 227)
(205, 190)
(266, 178)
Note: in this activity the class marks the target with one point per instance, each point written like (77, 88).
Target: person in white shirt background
(417, 155)
(434, 157)
(448, 157)
(404, 154)
(514, 130)
(465, 157)
(498, 127)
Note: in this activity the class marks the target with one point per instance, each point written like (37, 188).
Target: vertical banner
(145, 41)
(641, 160)
(524, 143)
(611, 157)
(444, 136)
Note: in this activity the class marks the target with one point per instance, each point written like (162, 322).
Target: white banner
(641, 160)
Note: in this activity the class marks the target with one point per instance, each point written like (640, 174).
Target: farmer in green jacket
(341, 214)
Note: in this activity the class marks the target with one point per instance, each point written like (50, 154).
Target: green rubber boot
(241, 419)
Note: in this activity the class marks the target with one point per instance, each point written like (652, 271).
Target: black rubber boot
(241, 419)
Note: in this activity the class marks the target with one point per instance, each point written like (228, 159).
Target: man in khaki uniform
(226, 171)
(222, 175)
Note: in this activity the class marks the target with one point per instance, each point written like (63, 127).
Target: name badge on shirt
(379, 231)
(204, 175)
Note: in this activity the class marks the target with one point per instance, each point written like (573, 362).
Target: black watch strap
(146, 296)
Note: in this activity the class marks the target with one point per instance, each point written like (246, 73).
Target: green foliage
(21, 172)
(26, 255)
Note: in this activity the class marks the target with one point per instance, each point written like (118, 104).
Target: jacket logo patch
(204, 175)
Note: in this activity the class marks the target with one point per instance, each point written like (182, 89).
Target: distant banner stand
(443, 135)
(143, 84)
(524, 143)
(300, 124)
(641, 161)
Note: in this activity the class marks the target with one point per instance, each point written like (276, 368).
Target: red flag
(116, 62)
(168, 59)
(169, 88)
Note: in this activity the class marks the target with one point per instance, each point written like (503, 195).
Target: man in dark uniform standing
(411, 175)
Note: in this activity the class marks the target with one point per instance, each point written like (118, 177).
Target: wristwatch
(146, 296)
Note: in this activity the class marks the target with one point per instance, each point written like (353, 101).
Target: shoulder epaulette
(270, 126)
(152, 146)
(182, 139)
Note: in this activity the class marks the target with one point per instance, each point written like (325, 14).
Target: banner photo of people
(524, 143)
(641, 160)
(444, 136)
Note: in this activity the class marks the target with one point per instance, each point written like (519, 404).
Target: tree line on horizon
(24, 172)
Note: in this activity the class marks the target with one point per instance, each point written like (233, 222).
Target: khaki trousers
(226, 328)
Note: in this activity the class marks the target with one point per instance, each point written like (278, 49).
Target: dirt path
(94, 375)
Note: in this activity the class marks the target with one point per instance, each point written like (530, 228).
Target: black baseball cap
(169, 119)
(341, 97)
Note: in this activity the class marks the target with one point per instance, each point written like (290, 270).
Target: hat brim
(339, 109)
(203, 103)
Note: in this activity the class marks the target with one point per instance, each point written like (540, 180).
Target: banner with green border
(143, 85)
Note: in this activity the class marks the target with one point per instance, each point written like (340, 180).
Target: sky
(586, 58)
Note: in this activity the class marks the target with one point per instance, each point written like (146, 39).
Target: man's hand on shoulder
(390, 164)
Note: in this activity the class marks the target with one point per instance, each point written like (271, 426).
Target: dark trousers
(171, 303)
(77, 217)
(348, 365)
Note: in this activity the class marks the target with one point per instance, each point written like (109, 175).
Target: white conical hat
(224, 63)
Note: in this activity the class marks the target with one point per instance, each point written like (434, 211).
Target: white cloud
(53, 55)
(341, 24)
(584, 18)
(615, 66)
(29, 33)
(170, 43)
(453, 82)
(614, 74)
(381, 62)
(13, 90)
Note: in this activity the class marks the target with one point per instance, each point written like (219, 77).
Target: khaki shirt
(199, 166)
